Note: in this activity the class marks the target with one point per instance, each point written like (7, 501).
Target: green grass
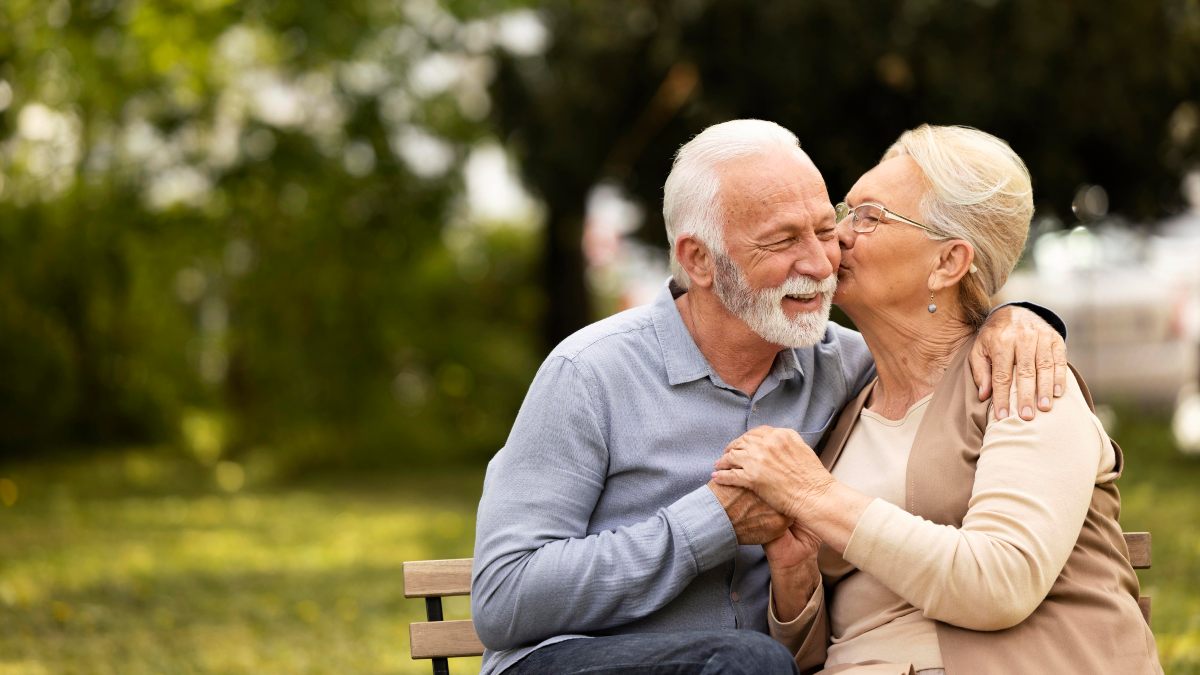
(139, 562)
(1160, 492)
(99, 575)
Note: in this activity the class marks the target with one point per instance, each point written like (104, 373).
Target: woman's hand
(778, 466)
(797, 547)
(794, 572)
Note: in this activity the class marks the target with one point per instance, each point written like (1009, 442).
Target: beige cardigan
(1089, 621)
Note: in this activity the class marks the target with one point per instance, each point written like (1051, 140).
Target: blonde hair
(979, 191)
(692, 193)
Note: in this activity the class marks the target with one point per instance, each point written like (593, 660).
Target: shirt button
(734, 596)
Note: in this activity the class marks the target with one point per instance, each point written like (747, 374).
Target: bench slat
(430, 639)
(440, 578)
(1139, 549)
(437, 578)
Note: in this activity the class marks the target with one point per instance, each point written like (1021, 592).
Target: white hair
(692, 194)
(979, 191)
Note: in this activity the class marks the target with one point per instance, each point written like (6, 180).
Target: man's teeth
(802, 296)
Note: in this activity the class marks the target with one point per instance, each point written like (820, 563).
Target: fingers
(981, 370)
(1045, 372)
(726, 462)
(1002, 374)
(731, 477)
(755, 434)
(735, 458)
(1027, 374)
(1060, 365)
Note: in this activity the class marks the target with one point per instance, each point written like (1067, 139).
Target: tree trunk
(568, 304)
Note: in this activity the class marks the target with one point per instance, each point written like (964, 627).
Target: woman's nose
(845, 232)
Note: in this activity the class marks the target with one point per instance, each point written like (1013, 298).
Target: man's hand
(753, 521)
(1015, 340)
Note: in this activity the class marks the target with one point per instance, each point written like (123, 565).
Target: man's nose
(813, 261)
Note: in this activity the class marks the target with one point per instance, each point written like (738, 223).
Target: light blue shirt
(595, 517)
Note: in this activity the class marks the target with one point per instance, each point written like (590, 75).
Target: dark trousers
(728, 652)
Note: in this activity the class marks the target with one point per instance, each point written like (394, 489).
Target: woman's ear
(955, 259)
(695, 259)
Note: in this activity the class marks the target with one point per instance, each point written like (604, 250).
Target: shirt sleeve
(1046, 315)
(538, 572)
(807, 634)
(1033, 485)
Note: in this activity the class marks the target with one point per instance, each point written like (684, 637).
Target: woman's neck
(911, 355)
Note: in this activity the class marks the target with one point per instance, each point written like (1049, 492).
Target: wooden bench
(441, 640)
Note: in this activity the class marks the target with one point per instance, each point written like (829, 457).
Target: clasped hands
(766, 480)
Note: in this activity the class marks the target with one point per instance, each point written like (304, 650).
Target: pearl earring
(932, 307)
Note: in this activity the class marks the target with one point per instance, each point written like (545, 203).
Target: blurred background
(274, 274)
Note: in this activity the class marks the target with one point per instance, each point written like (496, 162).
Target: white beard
(762, 310)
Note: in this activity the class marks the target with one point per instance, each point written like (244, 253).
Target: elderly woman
(930, 534)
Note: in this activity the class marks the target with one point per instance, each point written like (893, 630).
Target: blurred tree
(1087, 93)
(244, 208)
(256, 210)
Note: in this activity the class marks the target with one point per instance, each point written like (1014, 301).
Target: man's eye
(826, 234)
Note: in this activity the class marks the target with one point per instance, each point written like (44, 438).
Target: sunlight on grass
(304, 580)
(143, 562)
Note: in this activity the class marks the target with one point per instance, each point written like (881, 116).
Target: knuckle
(1001, 377)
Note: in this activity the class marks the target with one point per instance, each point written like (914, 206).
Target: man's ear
(955, 258)
(695, 259)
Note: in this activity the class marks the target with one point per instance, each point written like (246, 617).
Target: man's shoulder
(632, 329)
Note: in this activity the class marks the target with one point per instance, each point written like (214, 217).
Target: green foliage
(243, 208)
(255, 209)
(1087, 93)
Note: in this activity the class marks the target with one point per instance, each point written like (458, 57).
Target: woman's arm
(1033, 484)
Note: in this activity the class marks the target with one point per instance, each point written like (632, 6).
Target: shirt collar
(684, 360)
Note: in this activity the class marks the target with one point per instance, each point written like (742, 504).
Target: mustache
(803, 285)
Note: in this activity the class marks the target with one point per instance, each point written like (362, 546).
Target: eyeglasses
(868, 214)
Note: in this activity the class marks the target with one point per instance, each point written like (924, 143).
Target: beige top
(1024, 517)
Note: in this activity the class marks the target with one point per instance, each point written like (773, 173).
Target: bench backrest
(436, 579)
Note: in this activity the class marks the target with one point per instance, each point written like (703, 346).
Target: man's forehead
(762, 176)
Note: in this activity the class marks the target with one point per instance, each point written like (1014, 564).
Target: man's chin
(795, 337)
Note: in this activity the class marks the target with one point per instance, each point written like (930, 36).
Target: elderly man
(597, 519)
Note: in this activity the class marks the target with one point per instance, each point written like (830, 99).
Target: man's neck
(738, 355)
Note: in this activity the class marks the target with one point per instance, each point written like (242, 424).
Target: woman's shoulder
(1071, 425)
